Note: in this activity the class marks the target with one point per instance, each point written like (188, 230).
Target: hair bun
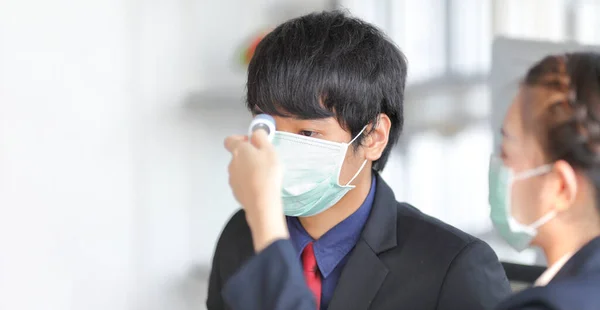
(571, 125)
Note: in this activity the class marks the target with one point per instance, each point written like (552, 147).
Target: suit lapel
(361, 279)
(364, 272)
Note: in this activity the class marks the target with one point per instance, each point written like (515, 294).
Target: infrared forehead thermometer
(265, 122)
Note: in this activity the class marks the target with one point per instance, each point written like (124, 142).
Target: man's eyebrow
(319, 120)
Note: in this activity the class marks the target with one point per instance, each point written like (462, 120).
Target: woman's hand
(255, 177)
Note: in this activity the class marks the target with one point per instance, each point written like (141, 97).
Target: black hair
(330, 65)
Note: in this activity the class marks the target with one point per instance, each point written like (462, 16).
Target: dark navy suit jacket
(404, 259)
(575, 287)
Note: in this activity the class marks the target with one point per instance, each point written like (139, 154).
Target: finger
(232, 142)
(260, 139)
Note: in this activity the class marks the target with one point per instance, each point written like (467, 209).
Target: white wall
(113, 185)
(66, 183)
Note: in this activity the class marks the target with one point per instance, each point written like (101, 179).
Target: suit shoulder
(430, 229)
(235, 227)
(435, 252)
(237, 222)
(579, 292)
(234, 245)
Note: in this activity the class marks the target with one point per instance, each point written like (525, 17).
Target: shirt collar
(336, 243)
(549, 274)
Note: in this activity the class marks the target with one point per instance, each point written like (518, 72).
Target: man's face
(327, 129)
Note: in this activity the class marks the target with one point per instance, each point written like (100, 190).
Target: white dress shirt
(549, 274)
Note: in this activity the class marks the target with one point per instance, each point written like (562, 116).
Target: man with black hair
(335, 87)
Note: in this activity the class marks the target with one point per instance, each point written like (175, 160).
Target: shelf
(447, 109)
(224, 97)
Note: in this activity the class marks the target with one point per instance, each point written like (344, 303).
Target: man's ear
(377, 139)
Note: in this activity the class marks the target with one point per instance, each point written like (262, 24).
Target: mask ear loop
(364, 162)
(357, 173)
(533, 172)
(545, 219)
(358, 135)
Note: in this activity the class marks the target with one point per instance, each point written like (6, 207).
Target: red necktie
(311, 272)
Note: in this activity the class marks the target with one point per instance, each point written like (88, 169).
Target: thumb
(232, 142)
(260, 139)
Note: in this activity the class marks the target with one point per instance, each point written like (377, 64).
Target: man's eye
(307, 133)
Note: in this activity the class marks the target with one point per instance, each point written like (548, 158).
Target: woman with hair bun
(545, 182)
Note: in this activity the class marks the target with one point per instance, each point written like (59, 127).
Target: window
(471, 35)
(586, 21)
(418, 27)
(451, 39)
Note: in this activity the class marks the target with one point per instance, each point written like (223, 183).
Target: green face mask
(501, 180)
(311, 170)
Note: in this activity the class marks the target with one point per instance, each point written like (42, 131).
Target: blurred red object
(251, 48)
